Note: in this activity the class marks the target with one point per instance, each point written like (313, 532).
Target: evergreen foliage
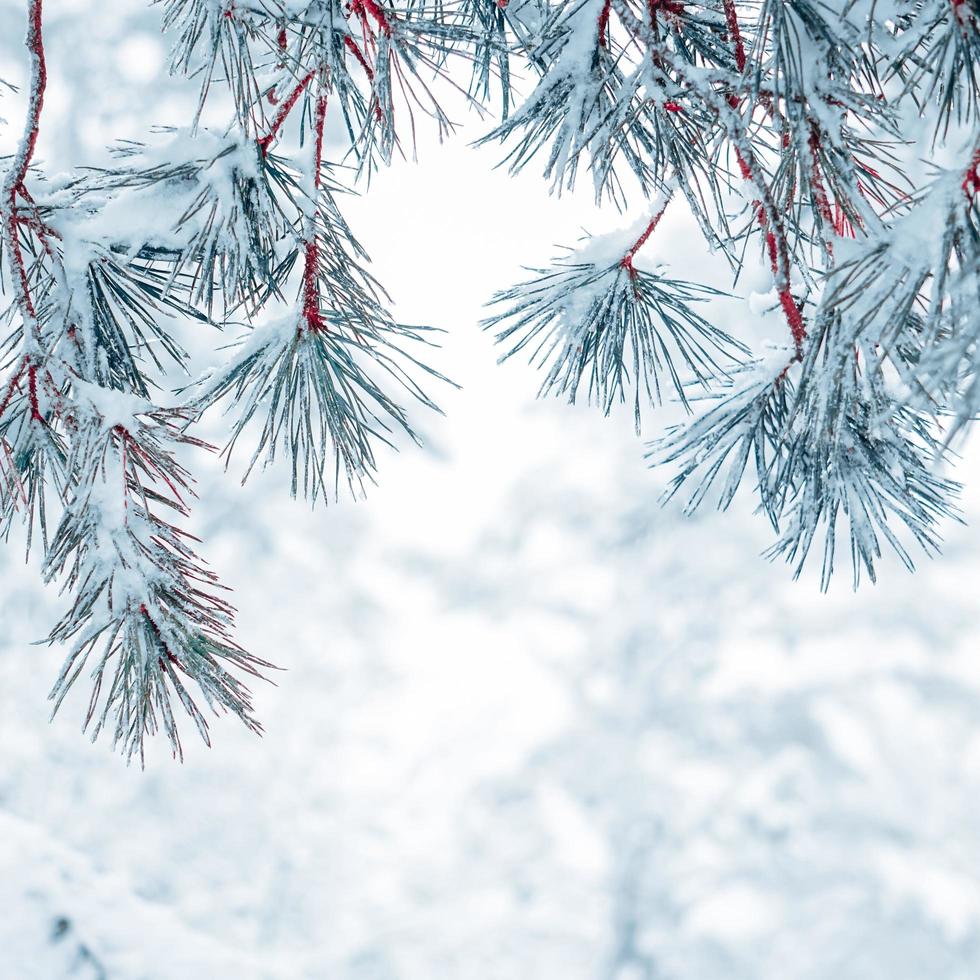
(782, 124)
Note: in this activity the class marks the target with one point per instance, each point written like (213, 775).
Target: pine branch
(596, 319)
(780, 125)
(78, 433)
(796, 96)
(142, 603)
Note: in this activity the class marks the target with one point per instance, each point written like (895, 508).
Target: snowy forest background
(530, 724)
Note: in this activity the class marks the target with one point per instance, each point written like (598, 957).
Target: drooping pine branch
(219, 229)
(79, 433)
(146, 616)
(600, 321)
(779, 125)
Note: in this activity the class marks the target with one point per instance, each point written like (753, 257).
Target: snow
(529, 724)
(111, 407)
(77, 920)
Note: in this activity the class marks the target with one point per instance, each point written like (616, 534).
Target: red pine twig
(284, 111)
(14, 180)
(627, 260)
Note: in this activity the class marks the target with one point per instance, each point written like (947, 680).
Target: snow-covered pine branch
(599, 318)
(790, 129)
(216, 228)
(784, 125)
(144, 608)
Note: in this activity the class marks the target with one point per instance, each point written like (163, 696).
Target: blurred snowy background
(530, 724)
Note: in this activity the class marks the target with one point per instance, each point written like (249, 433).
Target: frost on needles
(235, 230)
(834, 140)
(791, 129)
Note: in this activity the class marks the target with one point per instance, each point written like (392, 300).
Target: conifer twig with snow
(783, 126)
